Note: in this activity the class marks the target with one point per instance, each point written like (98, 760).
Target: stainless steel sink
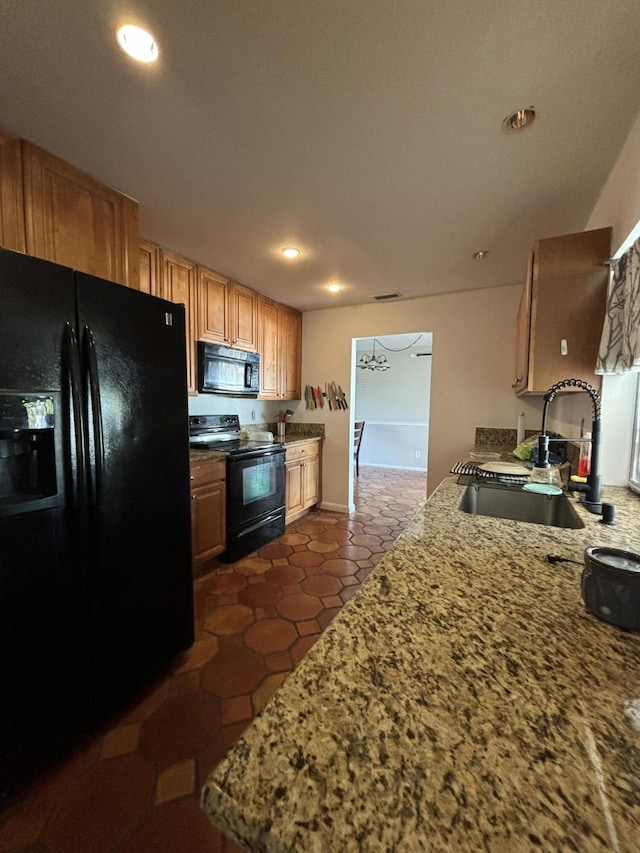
(519, 505)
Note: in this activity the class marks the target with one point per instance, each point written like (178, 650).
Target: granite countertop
(196, 455)
(294, 438)
(463, 700)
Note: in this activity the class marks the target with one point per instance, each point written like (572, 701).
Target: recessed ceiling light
(334, 288)
(138, 43)
(478, 256)
(290, 252)
(519, 120)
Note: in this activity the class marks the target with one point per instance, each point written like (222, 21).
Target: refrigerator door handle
(91, 362)
(71, 353)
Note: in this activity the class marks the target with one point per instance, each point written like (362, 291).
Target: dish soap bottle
(584, 461)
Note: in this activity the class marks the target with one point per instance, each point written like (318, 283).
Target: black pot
(611, 586)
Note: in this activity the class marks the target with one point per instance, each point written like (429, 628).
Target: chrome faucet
(592, 498)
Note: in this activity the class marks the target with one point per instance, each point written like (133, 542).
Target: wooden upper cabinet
(213, 308)
(243, 319)
(227, 312)
(12, 234)
(74, 220)
(291, 353)
(268, 320)
(149, 275)
(280, 350)
(562, 311)
(178, 284)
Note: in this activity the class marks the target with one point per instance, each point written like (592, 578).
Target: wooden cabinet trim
(12, 225)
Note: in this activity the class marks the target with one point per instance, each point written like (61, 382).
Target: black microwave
(223, 370)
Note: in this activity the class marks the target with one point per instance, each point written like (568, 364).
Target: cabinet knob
(194, 497)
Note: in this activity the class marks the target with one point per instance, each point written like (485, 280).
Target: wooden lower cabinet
(208, 510)
(303, 478)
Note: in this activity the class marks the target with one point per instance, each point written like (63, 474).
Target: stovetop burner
(222, 432)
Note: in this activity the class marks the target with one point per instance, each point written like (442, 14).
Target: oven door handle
(243, 455)
(258, 524)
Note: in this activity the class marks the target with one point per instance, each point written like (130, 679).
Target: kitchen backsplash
(487, 437)
(292, 428)
(505, 441)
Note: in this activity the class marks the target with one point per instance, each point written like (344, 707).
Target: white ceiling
(365, 132)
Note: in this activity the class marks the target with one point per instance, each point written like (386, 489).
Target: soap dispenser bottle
(584, 461)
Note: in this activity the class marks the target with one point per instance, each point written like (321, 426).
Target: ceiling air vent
(383, 297)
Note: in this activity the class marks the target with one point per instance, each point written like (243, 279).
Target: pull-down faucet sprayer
(592, 499)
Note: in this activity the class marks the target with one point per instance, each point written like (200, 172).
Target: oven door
(255, 485)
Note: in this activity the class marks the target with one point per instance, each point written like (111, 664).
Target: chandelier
(373, 362)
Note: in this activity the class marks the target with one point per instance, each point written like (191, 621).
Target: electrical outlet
(417, 454)
(253, 415)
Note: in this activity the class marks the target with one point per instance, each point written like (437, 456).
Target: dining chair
(358, 429)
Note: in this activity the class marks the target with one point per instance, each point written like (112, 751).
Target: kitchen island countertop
(462, 700)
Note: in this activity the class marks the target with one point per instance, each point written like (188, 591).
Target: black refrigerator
(95, 542)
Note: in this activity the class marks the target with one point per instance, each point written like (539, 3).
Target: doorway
(391, 382)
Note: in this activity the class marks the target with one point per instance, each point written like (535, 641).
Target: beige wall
(472, 372)
(619, 206)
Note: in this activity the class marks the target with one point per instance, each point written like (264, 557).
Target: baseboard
(396, 467)
(330, 507)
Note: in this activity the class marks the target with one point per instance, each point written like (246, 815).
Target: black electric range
(255, 484)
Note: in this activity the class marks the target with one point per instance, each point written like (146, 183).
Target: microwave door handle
(247, 375)
(96, 414)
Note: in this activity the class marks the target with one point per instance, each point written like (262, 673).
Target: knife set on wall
(314, 397)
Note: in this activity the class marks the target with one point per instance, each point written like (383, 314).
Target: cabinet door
(76, 221)
(178, 284)
(290, 349)
(149, 278)
(310, 481)
(568, 302)
(294, 489)
(268, 320)
(244, 317)
(208, 521)
(213, 308)
(12, 234)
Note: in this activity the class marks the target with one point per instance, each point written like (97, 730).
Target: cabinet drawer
(207, 471)
(302, 451)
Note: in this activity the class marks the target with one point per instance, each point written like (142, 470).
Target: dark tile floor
(134, 787)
